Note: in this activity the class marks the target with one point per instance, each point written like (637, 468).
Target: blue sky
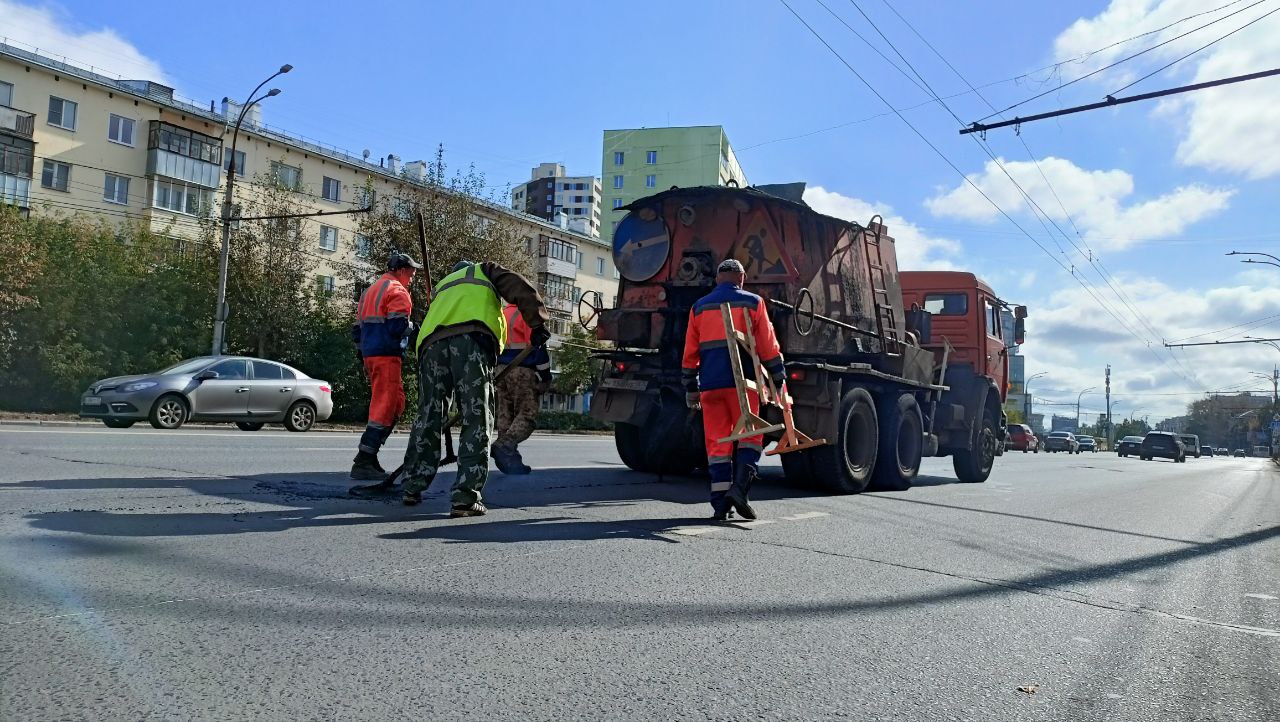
(1158, 191)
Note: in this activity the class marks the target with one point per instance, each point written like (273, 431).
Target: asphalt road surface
(216, 574)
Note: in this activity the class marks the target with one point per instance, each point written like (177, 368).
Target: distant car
(248, 391)
(1062, 441)
(1087, 443)
(1238, 452)
(1221, 451)
(1020, 437)
(1129, 445)
(1191, 443)
(1206, 451)
(1163, 444)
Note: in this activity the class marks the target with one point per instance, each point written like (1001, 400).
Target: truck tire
(665, 444)
(901, 443)
(845, 465)
(630, 445)
(973, 465)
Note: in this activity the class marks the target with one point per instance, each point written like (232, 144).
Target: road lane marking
(690, 530)
(1261, 596)
(805, 515)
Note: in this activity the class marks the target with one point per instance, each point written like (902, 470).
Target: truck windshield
(946, 304)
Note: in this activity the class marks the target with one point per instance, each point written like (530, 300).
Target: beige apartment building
(77, 141)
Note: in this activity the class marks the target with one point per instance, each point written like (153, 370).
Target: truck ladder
(886, 322)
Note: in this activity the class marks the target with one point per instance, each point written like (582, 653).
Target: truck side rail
(861, 369)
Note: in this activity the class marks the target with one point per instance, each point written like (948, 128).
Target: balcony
(184, 155)
(17, 122)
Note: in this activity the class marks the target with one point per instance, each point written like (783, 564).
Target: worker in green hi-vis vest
(458, 346)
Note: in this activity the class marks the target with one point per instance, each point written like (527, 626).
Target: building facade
(76, 141)
(550, 194)
(643, 161)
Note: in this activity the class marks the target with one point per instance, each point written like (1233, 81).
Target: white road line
(690, 530)
(1261, 596)
(805, 515)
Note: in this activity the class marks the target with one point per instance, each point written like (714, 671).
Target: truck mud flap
(625, 406)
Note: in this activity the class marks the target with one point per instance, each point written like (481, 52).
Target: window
(617, 202)
(366, 197)
(564, 186)
(286, 175)
(326, 284)
(580, 257)
(993, 319)
(553, 248)
(267, 371)
(616, 275)
(56, 175)
(555, 287)
(946, 304)
(231, 369)
(331, 189)
(120, 130)
(577, 199)
(617, 158)
(181, 141)
(62, 113)
(362, 246)
(182, 198)
(579, 186)
(328, 238)
(617, 181)
(6, 93)
(599, 266)
(116, 189)
(651, 157)
(240, 163)
(614, 229)
(651, 181)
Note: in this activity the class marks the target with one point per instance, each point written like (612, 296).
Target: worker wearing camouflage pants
(461, 366)
(517, 403)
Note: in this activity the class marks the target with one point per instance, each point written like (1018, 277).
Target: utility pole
(1108, 406)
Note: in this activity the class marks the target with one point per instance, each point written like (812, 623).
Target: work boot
(472, 509)
(412, 498)
(721, 509)
(743, 476)
(365, 468)
(508, 461)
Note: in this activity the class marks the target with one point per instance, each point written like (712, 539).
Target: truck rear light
(621, 366)
(796, 374)
(325, 389)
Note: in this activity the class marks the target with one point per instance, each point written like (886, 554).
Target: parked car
(1088, 443)
(1163, 444)
(248, 391)
(1062, 441)
(1128, 445)
(1020, 437)
(1191, 443)
(1206, 451)
(1238, 452)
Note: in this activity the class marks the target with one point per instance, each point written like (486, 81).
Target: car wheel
(118, 423)
(300, 417)
(169, 412)
(249, 425)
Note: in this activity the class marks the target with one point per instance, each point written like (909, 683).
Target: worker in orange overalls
(381, 334)
(708, 380)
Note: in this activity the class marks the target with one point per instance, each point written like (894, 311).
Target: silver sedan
(248, 391)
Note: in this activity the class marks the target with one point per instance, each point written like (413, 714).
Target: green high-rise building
(643, 161)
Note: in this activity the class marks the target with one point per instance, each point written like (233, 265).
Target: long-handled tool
(449, 457)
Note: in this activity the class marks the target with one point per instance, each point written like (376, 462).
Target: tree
(576, 367)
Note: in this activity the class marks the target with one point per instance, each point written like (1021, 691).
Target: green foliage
(1013, 414)
(575, 366)
(570, 421)
(1131, 427)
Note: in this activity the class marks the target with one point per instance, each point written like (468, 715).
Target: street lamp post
(1078, 397)
(220, 311)
(1026, 389)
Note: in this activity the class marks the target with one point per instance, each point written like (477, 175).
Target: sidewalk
(15, 418)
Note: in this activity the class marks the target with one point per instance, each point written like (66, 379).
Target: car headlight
(139, 386)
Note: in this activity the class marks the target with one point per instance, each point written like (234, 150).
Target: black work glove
(540, 336)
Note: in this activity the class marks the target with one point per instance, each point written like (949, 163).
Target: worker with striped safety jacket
(517, 392)
(709, 383)
(381, 334)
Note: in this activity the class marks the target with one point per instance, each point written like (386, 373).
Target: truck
(886, 367)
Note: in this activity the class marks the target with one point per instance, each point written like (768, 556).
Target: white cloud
(51, 32)
(1093, 198)
(1234, 128)
(917, 250)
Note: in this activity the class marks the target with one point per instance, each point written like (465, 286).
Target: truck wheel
(901, 443)
(665, 444)
(845, 466)
(631, 447)
(973, 465)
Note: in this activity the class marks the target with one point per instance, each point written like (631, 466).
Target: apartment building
(550, 194)
(76, 141)
(640, 162)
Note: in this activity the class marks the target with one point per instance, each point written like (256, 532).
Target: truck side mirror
(1020, 327)
(1019, 311)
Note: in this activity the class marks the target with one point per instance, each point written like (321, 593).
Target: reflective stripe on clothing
(383, 315)
(707, 348)
(465, 296)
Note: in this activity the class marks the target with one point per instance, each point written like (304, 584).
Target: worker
(709, 383)
(458, 347)
(518, 391)
(381, 335)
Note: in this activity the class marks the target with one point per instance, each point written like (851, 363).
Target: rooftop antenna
(366, 155)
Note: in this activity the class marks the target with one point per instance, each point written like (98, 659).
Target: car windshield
(186, 367)
(1060, 434)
